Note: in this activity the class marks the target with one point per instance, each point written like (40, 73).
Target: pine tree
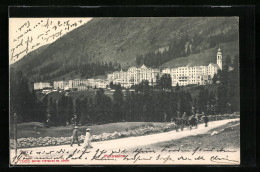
(99, 106)
(90, 115)
(52, 112)
(203, 100)
(214, 79)
(107, 112)
(128, 108)
(227, 61)
(69, 110)
(234, 86)
(165, 82)
(118, 104)
(222, 99)
(185, 103)
(212, 103)
(77, 110)
(177, 88)
(23, 102)
(83, 111)
(61, 110)
(174, 104)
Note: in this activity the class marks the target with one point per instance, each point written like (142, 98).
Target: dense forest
(83, 70)
(147, 103)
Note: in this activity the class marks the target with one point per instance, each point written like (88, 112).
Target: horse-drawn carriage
(190, 122)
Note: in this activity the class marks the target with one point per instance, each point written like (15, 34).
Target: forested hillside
(107, 44)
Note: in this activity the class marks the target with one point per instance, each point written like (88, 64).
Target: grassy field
(229, 138)
(27, 129)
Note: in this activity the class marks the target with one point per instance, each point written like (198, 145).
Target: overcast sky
(28, 34)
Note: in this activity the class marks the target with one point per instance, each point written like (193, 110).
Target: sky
(28, 34)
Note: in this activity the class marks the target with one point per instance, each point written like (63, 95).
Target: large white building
(80, 84)
(134, 76)
(199, 75)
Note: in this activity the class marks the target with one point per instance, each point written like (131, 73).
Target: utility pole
(15, 133)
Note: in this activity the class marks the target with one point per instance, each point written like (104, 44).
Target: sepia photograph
(124, 91)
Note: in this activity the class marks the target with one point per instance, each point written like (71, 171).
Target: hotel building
(199, 75)
(134, 76)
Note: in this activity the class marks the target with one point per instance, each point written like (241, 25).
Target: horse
(193, 122)
(186, 122)
(179, 123)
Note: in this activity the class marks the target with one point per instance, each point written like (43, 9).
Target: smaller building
(78, 84)
(41, 85)
(60, 85)
(102, 83)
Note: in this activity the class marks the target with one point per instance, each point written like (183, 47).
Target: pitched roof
(219, 48)
(143, 66)
(214, 64)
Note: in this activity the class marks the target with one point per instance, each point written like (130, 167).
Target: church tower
(219, 58)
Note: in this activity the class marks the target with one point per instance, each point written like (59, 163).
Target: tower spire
(219, 48)
(219, 58)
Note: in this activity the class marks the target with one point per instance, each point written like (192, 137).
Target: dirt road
(128, 143)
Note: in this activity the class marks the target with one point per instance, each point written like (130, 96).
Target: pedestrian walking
(75, 136)
(87, 140)
(184, 120)
(206, 119)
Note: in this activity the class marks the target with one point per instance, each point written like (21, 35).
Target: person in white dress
(87, 140)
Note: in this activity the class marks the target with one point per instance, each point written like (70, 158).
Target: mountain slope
(30, 57)
(122, 39)
(204, 58)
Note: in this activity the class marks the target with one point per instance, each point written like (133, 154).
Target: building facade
(79, 84)
(134, 76)
(84, 84)
(60, 85)
(199, 75)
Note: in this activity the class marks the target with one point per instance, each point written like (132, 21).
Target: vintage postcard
(124, 91)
